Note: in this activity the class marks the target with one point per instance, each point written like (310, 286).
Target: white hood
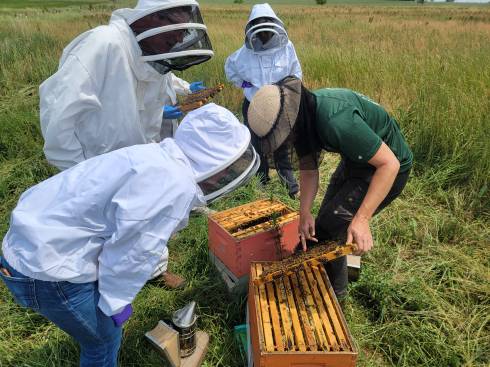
(263, 11)
(185, 50)
(145, 7)
(274, 25)
(211, 137)
(140, 68)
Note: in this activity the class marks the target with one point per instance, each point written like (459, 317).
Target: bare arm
(387, 167)
(308, 181)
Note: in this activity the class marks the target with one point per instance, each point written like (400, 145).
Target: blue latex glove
(123, 316)
(171, 112)
(196, 86)
(246, 84)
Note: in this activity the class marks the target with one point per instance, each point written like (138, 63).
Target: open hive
(263, 230)
(255, 217)
(295, 320)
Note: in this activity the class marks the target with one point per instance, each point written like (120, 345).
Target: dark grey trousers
(345, 193)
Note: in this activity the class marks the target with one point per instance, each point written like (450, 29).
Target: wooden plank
(338, 310)
(256, 205)
(260, 326)
(276, 323)
(286, 320)
(311, 307)
(247, 212)
(262, 227)
(227, 213)
(264, 308)
(298, 333)
(327, 326)
(288, 265)
(337, 325)
(241, 219)
(251, 213)
(305, 320)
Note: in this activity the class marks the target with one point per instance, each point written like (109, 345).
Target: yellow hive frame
(298, 312)
(259, 216)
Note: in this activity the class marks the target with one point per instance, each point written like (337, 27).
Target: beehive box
(295, 320)
(263, 230)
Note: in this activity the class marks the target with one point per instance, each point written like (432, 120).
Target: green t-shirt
(354, 126)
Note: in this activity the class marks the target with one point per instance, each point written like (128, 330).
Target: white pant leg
(162, 265)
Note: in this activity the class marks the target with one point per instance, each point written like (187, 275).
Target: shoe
(172, 281)
(294, 194)
(204, 210)
(287, 179)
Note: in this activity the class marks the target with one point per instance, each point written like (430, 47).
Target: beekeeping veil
(285, 113)
(218, 148)
(264, 30)
(170, 33)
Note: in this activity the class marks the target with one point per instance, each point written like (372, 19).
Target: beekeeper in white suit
(114, 85)
(83, 243)
(266, 57)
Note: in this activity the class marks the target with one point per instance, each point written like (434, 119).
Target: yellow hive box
(295, 320)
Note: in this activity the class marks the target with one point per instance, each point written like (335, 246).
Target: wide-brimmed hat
(273, 111)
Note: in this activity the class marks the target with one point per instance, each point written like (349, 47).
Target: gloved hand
(196, 86)
(246, 84)
(123, 316)
(171, 112)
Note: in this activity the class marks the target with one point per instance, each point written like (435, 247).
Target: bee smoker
(184, 321)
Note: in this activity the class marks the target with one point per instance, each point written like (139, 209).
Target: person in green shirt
(374, 167)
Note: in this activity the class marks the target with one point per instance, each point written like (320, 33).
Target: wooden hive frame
(200, 98)
(296, 319)
(259, 216)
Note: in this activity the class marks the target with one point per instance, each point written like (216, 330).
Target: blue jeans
(73, 308)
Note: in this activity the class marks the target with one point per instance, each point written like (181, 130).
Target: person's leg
(168, 128)
(73, 308)
(263, 171)
(341, 202)
(336, 269)
(285, 169)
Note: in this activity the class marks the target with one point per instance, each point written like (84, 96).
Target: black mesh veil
(295, 128)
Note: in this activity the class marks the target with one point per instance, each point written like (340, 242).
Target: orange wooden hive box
(263, 230)
(296, 321)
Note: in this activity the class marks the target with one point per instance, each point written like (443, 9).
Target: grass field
(423, 298)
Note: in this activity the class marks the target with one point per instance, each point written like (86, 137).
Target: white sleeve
(180, 86)
(295, 65)
(129, 258)
(65, 99)
(146, 210)
(231, 71)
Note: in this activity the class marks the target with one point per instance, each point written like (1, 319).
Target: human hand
(196, 86)
(306, 229)
(123, 316)
(246, 84)
(360, 234)
(171, 112)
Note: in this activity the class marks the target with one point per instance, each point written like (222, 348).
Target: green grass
(17, 4)
(423, 298)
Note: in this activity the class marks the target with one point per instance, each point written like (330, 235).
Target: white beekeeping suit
(109, 91)
(109, 218)
(260, 64)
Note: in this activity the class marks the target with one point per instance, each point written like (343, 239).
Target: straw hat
(273, 111)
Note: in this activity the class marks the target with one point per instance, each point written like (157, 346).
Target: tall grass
(424, 294)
